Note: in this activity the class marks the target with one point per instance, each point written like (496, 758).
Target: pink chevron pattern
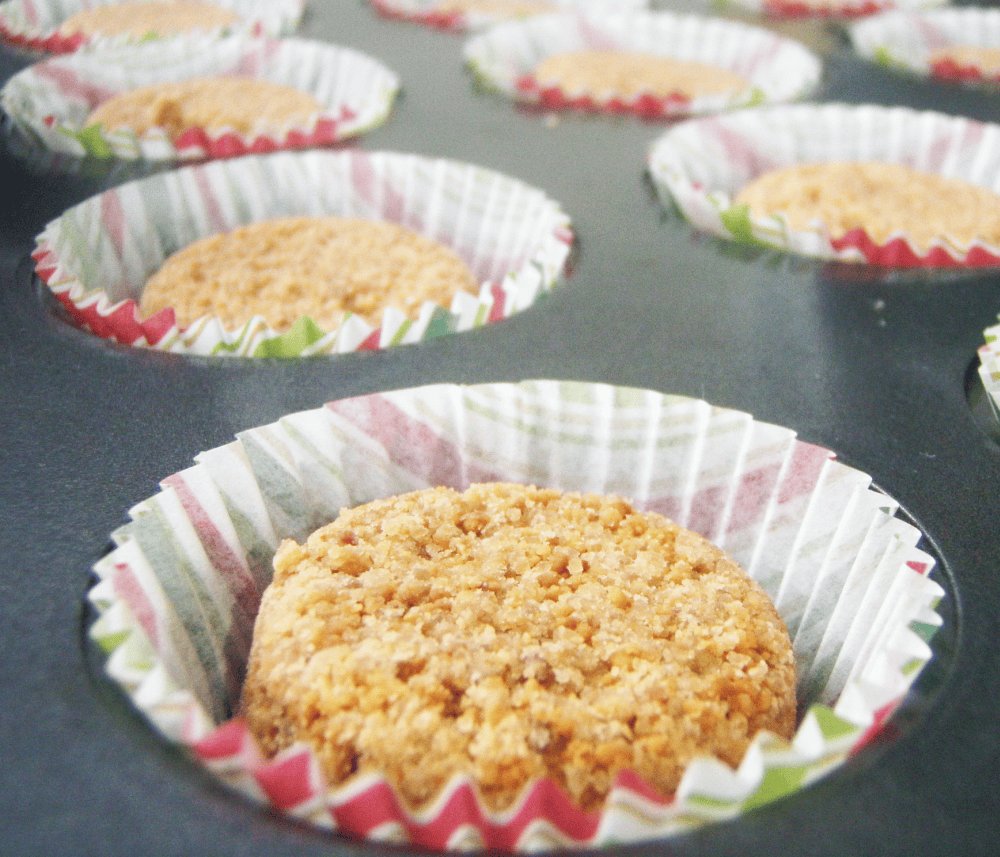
(753, 495)
(53, 44)
(646, 105)
(199, 142)
(409, 443)
(803, 9)
(292, 780)
(449, 21)
(899, 253)
(949, 69)
(803, 472)
(127, 587)
(223, 559)
(71, 85)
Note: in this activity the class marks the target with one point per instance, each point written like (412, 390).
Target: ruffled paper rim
(808, 528)
(34, 24)
(701, 163)
(837, 9)
(429, 14)
(906, 41)
(504, 58)
(989, 366)
(76, 250)
(357, 94)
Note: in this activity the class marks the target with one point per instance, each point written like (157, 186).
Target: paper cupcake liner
(700, 165)
(34, 24)
(434, 13)
(177, 596)
(840, 9)
(989, 366)
(49, 102)
(98, 255)
(777, 69)
(908, 41)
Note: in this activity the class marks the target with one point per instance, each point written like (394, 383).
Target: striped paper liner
(908, 40)
(504, 58)
(839, 9)
(50, 101)
(443, 15)
(701, 164)
(177, 596)
(34, 24)
(989, 366)
(97, 256)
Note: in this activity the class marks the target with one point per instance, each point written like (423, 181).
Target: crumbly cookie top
(510, 633)
(606, 74)
(322, 267)
(141, 17)
(884, 199)
(246, 106)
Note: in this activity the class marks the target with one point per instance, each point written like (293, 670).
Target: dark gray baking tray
(880, 369)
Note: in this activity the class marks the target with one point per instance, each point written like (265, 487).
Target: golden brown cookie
(139, 18)
(881, 198)
(321, 267)
(510, 633)
(215, 104)
(606, 74)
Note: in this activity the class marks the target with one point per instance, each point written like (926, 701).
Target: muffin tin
(877, 365)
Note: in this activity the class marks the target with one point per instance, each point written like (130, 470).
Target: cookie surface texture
(606, 74)
(215, 104)
(141, 17)
(321, 267)
(881, 198)
(510, 633)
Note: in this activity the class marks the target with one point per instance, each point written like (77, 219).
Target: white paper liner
(34, 24)
(98, 255)
(49, 102)
(777, 69)
(842, 9)
(178, 595)
(431, 13)
(906, 40)
(700, 165)
(989, 366)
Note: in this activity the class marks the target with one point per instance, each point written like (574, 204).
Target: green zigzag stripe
(442, 322)
(882, 57)
(92, 140)
(832, 726)
(736, 219)
(110, 642)
(303, 333)
(777, 783)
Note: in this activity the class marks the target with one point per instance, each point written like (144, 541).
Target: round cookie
(321, 267)
(138, 18)
(606, 74)
(881, 198)
(215, 104)
(510, 633)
